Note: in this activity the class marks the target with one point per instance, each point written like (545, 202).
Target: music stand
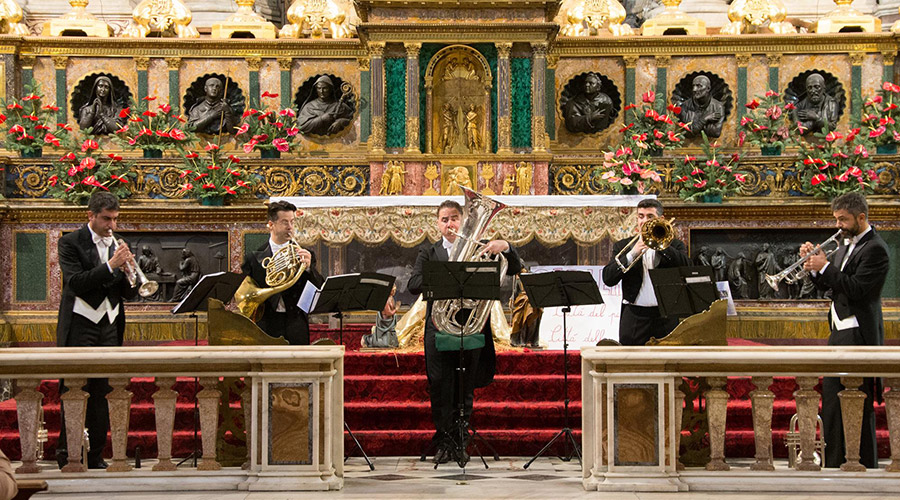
(683, 291)
(353, 292)
(443, 280)
(562, 289)
(221, 286)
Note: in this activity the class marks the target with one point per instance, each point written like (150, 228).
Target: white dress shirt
(646, 297)
(104, 246)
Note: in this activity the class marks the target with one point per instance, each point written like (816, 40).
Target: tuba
(282, 270)
(478, 212)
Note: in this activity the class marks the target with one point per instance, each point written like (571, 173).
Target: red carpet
(387, 406)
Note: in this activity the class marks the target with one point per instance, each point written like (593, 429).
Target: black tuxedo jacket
(85, 276)
(252, 267)
(857, 289)
(674, 255)
(484, 373)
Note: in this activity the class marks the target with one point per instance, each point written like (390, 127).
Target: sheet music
(309, 297)
(177, 308)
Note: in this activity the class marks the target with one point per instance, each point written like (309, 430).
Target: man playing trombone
(91, 312)
(280, 315)
(640, 318)
(855, 274)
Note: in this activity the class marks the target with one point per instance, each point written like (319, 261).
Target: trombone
(657, 234)
(795, 272)
(135, 276)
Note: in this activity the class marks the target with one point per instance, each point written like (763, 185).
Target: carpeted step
(402, 389)
(499, 415)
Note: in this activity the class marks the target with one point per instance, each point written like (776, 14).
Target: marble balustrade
(632, 403)
(292, 404)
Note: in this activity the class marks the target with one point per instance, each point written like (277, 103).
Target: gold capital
(142, 63)
(631, 61)
(27, 61)
(60, 62)
(663, 61)
(552, 60)
(363, 63)
(254, 63)
(888, 57)
(539, 49)
(285, 63)
(773, 60)
(412, 50)
(503, 49)
(376, 49)
(174, 63)
(743, 60)
(857, 58)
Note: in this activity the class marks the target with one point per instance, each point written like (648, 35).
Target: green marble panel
(365, 107)
(30, 267)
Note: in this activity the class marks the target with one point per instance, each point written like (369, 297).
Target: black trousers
(292, 325)
(833, 424)
(442, 368)
(638, 323)
(84, 333)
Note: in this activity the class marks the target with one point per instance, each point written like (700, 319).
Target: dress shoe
(99, 464)
(62, 460)
(442, 455)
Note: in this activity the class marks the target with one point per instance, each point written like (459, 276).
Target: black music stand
(562, 289)
(683, 291)
(347, 293)
(457, 281)
(221, 286)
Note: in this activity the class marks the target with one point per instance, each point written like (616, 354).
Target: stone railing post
(807, 400)
(717, 409)
(247, 407)
(208, 401)
(852, 400)
(74, 403)
(119, 400)
(763, 401)
(28, 410)
(164, 400)
(892, 408)
(679, 416)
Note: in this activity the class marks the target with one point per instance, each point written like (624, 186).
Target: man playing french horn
(280, 315)
(640, 318)
(441, 366)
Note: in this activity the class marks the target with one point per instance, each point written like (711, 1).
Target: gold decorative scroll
(594, 17)
(410, 226)
(10, 19)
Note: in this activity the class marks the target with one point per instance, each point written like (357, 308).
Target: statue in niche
(702, 257)
(718, 263)
(737, 277)
(190, 275)
(470, 73)
(101, 112)
(523, 177)
(590, 111)
(702, 112)
(323, 113)
(817, 110)
(449, 132)
(384, 333)
(459, 176)
(212, 115)
(788, 257)
(473, 137)
(765, 264)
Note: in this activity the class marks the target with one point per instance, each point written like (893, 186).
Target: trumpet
(656, 233)
(795, 272)
(135, 276)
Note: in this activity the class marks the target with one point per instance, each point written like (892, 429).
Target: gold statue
(523, 177)
(509, 185)
(10, 16)
(397, 176)
(672, 19)
(311, 17)
(431, 173)
(167, 17)
(459, 176)
(599, 16)
(244, 20)
(473, 137)
(385, 181)
(78, 20)
(748, 16)
(449, 131)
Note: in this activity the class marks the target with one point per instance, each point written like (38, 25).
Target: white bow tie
(103, 240)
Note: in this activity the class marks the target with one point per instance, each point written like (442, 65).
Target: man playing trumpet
(855, 274)
(280, 315)
(91, 312)
(640, 318)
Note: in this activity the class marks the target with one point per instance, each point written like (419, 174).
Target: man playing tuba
(280, 315)
(441, 366)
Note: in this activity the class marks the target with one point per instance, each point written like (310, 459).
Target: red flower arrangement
(156, 127)
(838, 164)
(84, 169)
(767, 123)
(647, 130)
(711, 177)
(30, 124)
(881, 114)
(210, 174)
(625, 172)
(269, 129)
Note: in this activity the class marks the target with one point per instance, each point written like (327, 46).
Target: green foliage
(210, 174)
(31, 125)
(880, 115)
(767, 122)
(836, 164)
(153, 125)
(84, 169)
(713, 174)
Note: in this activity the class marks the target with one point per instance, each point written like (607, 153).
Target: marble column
(892, 409)
(119, 400)
(807, 400)
(504, 95)
(852, 400)
(774, 62)
(285, 64)
(376, 65)
(743, 60)
(539, 97)
(142, 65)
(762, 400)
(717, 410)
(887, 60)
(28, 410)
(253, 65)
(662, 78)
(412, 97)
(208, 401)
(74, 402)
(174, 65)
(60, 64)
(164, 400)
